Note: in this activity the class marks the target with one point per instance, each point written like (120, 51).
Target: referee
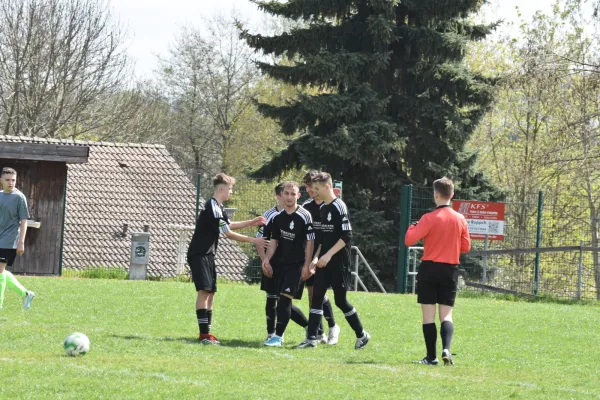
(445, 235)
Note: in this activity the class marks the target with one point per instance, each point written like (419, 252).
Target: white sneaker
(322, 339)
(28, 299)
(334, 335)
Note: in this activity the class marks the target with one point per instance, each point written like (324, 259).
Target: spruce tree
(395, 104)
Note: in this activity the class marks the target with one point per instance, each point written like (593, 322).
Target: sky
(153, 24)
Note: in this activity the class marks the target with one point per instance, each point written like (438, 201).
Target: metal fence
(548, 246)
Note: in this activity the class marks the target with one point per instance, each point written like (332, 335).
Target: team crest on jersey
(292, 225)
(329, 217)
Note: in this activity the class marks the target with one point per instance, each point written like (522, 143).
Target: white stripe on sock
(351, 312)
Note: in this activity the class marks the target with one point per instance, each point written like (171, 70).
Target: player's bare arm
(21, 242)
(258, 221)
(324, 260)
(308, 250)
(266, 264)
(247, 239)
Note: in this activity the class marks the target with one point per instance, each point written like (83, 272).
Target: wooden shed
(41, 167)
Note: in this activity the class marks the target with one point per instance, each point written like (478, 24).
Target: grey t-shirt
(13, 209)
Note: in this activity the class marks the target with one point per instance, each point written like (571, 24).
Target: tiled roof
(137, 185)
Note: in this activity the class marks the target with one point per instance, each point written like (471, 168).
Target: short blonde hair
(222, 179)
(288, 184)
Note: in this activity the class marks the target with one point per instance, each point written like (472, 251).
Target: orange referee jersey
(445, 235)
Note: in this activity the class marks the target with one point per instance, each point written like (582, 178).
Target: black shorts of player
(204, 272)
(270, 285)
(437, 283)
(7, 256)
(310, 282)
(333, 275)
(289, 278)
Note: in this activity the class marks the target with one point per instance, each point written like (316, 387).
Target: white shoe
(334, 335)
(322, 339)
(28, 299)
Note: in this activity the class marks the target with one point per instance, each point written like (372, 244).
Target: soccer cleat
(334, 335)
(447, 357)
(28, 299)
(274, 341)
(308, 343)
(269, 336)
(427, 361)
(361, 342)
(209, 339)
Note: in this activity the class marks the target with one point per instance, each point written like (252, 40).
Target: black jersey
(335, 223)
(291, 232)
(265, 230)
(315, 212)
(211, 222)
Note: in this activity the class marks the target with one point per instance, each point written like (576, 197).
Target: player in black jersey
(313, 205)
(291, 248)
(333, 264)
(211, 222)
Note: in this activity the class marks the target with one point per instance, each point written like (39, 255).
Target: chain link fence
(548, 246)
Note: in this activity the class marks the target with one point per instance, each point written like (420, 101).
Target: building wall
(43, 184)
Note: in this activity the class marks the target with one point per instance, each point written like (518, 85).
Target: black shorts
(310, 282)
(335, 276)
(204, 272)
(270, 285)
(289, 278)
(7, 256)
(437, 283)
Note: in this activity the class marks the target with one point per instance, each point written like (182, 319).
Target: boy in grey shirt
(13, 228)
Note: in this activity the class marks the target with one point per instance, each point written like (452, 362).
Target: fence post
(405, 216)
(197, 195)
(580, 271)
(356, 272)
(538, 243)
(485, 261)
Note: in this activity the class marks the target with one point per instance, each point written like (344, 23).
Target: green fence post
(405, 215)
(197, 195)
(538, 242)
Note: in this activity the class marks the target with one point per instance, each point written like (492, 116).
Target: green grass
(143, 346)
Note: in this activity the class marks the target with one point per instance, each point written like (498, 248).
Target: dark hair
(444, 187)
(279, 189)
(222, 179)
(322, 177)
(8, 171)
(307, 179)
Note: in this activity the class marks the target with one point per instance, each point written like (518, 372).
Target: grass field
(143, 346)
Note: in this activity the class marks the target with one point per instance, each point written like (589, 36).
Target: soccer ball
(76, 344)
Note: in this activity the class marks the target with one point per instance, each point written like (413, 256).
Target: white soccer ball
(76, 344)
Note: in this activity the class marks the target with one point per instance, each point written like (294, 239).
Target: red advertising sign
(483, 218)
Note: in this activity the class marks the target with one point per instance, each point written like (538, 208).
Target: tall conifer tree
(396, 103)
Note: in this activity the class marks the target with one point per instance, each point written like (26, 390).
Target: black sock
(321, 330)
(271, 312)
(314, 319)
(202, 321)
(430, 335)
(446, 332)
(354, 321)
(209, 315)
(328, 312)
(349, 312)
(298, 316)
(284, 311)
